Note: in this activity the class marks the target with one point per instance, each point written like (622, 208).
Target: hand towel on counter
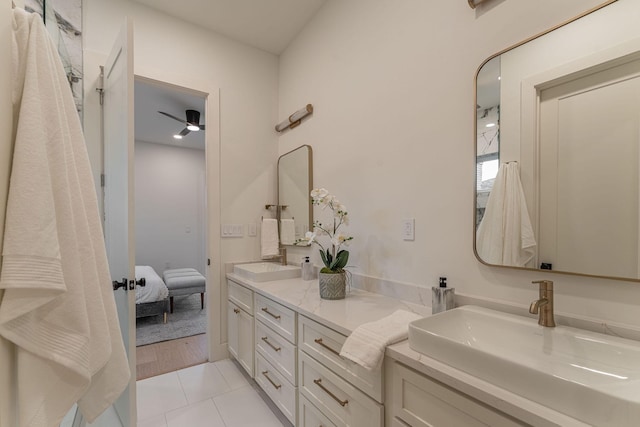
(58, 306)
(366, 345)
(505, 235)
(287, 231)
(269, 238)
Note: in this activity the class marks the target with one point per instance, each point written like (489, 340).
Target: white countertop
(343, 316)
(361, 307)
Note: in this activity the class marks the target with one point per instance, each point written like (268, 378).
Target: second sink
(266, 271)
(589, 376)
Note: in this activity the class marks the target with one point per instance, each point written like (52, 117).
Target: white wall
(245, 81)
(170, 206)
(173, 50)
(392, 84)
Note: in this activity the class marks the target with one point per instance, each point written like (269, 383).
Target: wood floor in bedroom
(168, 356)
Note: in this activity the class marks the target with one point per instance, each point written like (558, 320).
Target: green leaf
(341, 260)
(324, 258)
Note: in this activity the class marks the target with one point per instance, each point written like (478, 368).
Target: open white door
(118, 201)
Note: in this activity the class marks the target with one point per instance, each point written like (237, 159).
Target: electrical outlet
(409, 229)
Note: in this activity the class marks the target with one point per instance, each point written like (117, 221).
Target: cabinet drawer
(310, 416)
(420, 401)
(241, 296)
(279, 390)
(278, 351)
(341, 402)
(279, 318)
(324, 344)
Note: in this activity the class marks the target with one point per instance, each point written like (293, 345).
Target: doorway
(170, 227)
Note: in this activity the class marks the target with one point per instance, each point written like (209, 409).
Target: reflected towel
(287, 231)
(505, 235)
(366, 345)
(269, 237)
(58, 306)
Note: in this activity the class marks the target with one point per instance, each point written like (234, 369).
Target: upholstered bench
(184, 281)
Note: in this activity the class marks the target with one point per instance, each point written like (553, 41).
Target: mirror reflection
(294, 186)
(557, 149)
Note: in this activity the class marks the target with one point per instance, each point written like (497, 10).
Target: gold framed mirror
(557, 144)
(295, 181)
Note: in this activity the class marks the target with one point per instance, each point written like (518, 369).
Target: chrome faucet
(544, 306)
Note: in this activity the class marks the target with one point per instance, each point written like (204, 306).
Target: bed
(152, 299)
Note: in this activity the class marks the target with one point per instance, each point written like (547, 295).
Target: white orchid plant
(334, 258)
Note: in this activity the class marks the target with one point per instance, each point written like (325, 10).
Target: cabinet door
(240, 336)
(245, 341)
(232, 328)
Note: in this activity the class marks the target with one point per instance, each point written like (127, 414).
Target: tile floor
(212, 394)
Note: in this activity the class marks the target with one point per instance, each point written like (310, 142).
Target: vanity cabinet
(343, 392)
(416, 400)
(240, 323)
(276, 354)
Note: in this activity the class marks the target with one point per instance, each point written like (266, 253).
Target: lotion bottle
(307, 269)
(442, 297)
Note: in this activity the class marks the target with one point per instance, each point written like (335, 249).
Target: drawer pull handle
(276, 386)
(270, 345)
(318, 382)
(320, 343)
(266, 310)
(236, 311)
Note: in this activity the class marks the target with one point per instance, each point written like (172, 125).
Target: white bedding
(155, 289)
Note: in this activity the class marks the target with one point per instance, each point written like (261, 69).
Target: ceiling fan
(192, 122)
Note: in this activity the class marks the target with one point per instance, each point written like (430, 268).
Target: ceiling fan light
(193, 128)
(177, 136)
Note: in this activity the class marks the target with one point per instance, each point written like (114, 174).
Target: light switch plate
(232, 230)
(253, 229)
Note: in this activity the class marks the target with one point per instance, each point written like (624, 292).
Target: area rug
(186, 320)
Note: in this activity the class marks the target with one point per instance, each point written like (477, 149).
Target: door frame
(216, 345)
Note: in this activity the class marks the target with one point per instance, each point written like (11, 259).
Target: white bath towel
(366, 345)
(505, 235)
(269, 237)
(287, 231)
(58, 306)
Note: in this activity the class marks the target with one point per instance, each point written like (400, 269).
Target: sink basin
(266, 271)
(589, 376)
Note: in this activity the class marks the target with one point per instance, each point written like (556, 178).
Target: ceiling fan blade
(201, 127)
(184, 132)
(173, 117)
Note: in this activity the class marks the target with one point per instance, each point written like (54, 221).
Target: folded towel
(366, 345)
(269, 237)
(287, 231)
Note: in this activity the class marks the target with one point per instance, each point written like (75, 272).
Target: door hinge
(102, 180)
(100, 88)
(208, 261)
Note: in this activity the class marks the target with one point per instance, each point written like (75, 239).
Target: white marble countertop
(343, 316)
(361, 307)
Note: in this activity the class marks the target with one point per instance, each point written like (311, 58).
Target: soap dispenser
(307, 269)
(442, 297)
